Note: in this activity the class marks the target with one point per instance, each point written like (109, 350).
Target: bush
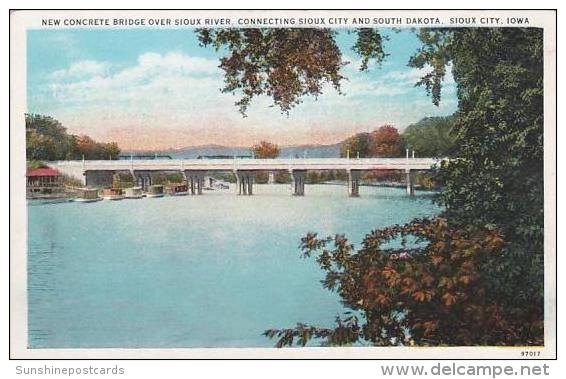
(423, 283)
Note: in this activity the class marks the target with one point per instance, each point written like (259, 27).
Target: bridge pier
(245, 182)
(298, 182)
(195, 181)
(410, 182)
(142, 179)
(354, 182)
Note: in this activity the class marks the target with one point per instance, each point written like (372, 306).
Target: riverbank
(382, 184)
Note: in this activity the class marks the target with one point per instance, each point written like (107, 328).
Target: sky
(155, 89)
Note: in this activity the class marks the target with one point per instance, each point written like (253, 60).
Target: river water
(196, 271)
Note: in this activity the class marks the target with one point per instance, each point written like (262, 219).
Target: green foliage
(498, 175)
(163, 179)
(47, 139)
(393, 176)
(431, 137)
(354, 145)
(369, 46)
(122, 180)
(33, 164)
(72, 181)
(282, 177)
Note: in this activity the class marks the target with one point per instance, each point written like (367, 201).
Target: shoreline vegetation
(70, 192)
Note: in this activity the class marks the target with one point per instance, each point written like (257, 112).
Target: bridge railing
(252, 164)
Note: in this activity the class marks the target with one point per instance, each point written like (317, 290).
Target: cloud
(177, 96)
(81, 69)
(156, 80)
(390, 83)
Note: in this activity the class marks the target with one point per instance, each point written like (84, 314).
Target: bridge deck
(251, 164)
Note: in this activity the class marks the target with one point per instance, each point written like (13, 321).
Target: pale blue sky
(158, 88)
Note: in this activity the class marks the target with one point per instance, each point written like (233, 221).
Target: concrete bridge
(99, 173)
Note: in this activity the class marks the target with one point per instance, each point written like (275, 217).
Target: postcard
(283, 184)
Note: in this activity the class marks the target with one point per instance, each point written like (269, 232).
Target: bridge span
(194, 170)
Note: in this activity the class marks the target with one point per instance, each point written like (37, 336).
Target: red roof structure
(42, 172)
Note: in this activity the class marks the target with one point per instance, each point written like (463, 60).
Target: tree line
(47, 140)
(429, 137)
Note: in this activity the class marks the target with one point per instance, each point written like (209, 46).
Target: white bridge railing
(251, 164)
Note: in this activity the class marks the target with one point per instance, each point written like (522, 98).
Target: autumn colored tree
(266, 150)
(422, 283)
(385, 142)
(285, 64)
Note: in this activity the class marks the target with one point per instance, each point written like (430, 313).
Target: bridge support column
(99, 178)
(245, 182)
(410, 182)
(195, 181)
(354, 183)
(271, 178)
(299, 182)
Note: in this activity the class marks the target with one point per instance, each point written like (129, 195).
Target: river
(196, 271)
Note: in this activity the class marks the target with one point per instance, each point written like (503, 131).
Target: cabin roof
(46, 171)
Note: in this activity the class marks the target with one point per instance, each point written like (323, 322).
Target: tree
(111, 151)
(266, 150)
(432, 291)
(493, 186)
(498, 175)
(431, 137)
(354, 145)
(385, 142)
(47, 139)
(285, 64)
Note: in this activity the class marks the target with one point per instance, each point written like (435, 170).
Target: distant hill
(310, 151)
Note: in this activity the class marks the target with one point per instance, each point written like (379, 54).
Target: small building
(112, 194)
(155, 190)
(177, 189)
(43, 181)
(133, 193)
(88, 193)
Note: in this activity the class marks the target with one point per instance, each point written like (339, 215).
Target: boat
(112, 194)
(133, 193)
(87, 195)
(177, 189)
(155, 190)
